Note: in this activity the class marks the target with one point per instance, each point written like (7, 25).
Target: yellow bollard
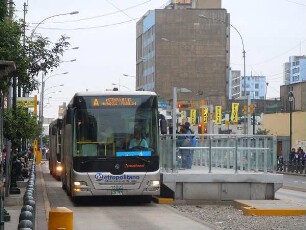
(38, 157)
(60, 218)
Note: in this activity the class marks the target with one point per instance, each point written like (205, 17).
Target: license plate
(117, 190)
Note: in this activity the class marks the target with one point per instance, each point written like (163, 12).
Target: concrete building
(255, 87)
(295, 70)
(176, 47)
(234, 84)
(299, 93)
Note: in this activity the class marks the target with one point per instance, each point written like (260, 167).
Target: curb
(162, 200)
(270, 208)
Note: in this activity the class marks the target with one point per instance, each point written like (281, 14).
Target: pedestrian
(291, 155)
(192, 143)
(184, 141)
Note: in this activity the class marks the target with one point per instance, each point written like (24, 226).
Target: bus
(55, 132)
(97, 157)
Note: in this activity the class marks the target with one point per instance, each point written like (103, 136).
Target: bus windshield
(115, 126)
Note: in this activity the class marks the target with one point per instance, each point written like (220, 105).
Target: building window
(256, 86)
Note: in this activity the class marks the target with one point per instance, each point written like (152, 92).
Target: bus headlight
(153, 185)
(80, 183)
(59, 168)
(80, 186)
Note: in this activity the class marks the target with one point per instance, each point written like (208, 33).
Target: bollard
(27, 208)
(31, 203)
(27, 198)
(26, 215)
(25, 224)
(60, 218)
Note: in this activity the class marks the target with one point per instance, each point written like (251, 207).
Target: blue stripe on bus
(134, 153)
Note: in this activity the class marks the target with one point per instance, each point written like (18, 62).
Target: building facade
(186, 47)
(299, 92)
(295, 70)
(255, 86)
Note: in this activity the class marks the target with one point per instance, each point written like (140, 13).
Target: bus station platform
(220, 185)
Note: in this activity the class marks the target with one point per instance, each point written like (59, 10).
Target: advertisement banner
(218, 115)
(205, 115)
(234, 116)
(193, 116)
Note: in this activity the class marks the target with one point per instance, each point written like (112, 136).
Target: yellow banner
(218, 115)
(193, 116)
(205, 115)
(234, 116)
(26, 103)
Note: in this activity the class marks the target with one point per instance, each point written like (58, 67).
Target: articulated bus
(97, 158)
(55, 132)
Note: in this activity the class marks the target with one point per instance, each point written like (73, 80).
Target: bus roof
(111, 93)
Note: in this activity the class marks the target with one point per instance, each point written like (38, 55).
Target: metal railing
(254, 153)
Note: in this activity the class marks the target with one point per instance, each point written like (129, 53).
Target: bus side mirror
(53, 130)
(69, 115)
(163, 126)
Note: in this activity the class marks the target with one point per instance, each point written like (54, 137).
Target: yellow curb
(162, 200)
(249, 208)
(251, 211)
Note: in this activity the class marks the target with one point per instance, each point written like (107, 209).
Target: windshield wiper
(138, 157)
(96, 159)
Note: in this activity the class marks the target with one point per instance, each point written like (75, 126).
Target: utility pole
(25, 10)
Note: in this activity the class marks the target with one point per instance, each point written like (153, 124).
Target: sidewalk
(14, 203)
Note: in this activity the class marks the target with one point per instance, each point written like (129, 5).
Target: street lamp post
(121, 86)
(291, 100)
(56, 15)
(41, 105)
(243, 55)
(131, 76)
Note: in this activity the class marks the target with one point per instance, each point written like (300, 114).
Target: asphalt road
(294, 182)
(99, 213)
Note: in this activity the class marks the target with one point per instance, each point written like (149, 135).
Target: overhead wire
(297, 3)
(281, 54)
(99, 16)
(86, 28)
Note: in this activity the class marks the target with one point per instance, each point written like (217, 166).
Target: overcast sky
(105, 32)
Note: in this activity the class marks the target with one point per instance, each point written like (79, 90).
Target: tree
(23, 126)
(262, 132)
(36, 55)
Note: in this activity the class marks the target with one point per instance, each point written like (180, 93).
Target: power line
(102, 15)
(281, 54)
(85, 28)
(297, 3)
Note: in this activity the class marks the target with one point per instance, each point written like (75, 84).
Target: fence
(234, 152)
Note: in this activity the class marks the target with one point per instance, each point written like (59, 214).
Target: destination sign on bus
(134, 153)
(114, 101)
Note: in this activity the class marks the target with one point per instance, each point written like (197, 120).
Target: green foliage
(262, 132)
(3, 9)
(33, 56)
(20, 125)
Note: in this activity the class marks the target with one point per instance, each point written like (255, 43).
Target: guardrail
(27, 213)
(257, 153)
